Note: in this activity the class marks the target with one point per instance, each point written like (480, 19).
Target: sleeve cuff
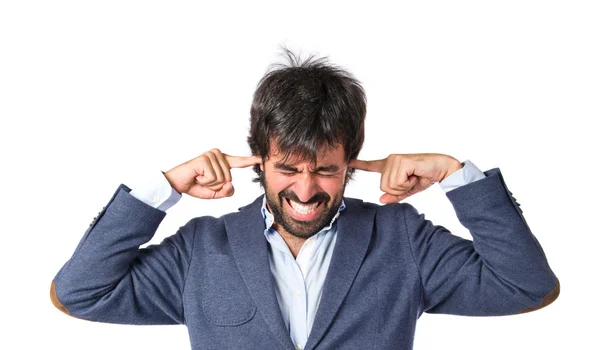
(469, 173)
(156, 192)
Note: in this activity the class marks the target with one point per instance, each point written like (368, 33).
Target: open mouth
(303, 209)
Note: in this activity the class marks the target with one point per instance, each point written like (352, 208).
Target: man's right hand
(208, 176)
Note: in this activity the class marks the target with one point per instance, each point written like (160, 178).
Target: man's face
(304, 198)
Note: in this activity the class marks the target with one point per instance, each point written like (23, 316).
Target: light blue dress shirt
(298, 282)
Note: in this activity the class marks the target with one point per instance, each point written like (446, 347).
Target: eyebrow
(322, 169)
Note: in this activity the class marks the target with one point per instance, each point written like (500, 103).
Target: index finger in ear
(242, 162)
(368, 165)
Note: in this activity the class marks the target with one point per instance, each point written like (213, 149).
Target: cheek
(331, 186)
(277, 183)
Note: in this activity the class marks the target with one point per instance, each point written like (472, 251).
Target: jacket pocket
(225, 300)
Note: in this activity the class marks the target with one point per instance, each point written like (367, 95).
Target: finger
(397, 196)
(207, 175)
(224, 166)
(421, 185)
(226, 191)
(388, 176)
(214, 163)
(204, 192)
(389, 181)
(399, 179)
(216, 187)
(384, 182)
(201, 192)
(242, 162)
(402, 189)
(387, 198)
(368, 165)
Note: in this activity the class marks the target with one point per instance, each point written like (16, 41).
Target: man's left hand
(403, 175)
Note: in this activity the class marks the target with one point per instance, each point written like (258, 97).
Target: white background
(94, 94)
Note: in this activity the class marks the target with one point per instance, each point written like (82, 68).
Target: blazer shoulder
(378, 207)
(356, 202)
(243, 211)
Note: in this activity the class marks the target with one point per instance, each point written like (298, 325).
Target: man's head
(306, 123)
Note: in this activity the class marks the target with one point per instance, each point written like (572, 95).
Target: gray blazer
(389, 266)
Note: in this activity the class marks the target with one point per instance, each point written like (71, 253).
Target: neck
(293, 242)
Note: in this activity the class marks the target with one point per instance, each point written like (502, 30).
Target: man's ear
(262, 167)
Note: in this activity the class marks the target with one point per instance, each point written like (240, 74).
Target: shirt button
(298, 347)
(309, 243)
(298, 292)
(155, 198)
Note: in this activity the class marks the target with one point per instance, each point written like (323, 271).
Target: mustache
(318, 197)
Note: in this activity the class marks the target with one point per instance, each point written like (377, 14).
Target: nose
(305, 187)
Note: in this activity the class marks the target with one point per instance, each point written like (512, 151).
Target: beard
(299, 228)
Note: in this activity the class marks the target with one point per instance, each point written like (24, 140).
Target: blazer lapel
(250, 249)
(355, 227)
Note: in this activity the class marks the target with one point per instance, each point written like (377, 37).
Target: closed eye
(292, 173)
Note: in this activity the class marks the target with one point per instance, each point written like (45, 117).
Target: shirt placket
(301, 294)
(298, 312)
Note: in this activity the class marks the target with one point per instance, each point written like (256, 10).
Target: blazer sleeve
(502, 271)
(109, 279)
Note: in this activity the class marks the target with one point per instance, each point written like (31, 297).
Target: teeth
(303, 209)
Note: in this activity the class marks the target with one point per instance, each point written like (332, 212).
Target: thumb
(226, 191)
(387, 198)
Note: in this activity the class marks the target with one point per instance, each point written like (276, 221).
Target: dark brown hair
(304, 105)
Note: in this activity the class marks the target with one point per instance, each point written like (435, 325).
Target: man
(303, 267)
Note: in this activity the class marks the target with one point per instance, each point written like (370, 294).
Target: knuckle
(398, 183)
(206, 160)
(210, 155)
